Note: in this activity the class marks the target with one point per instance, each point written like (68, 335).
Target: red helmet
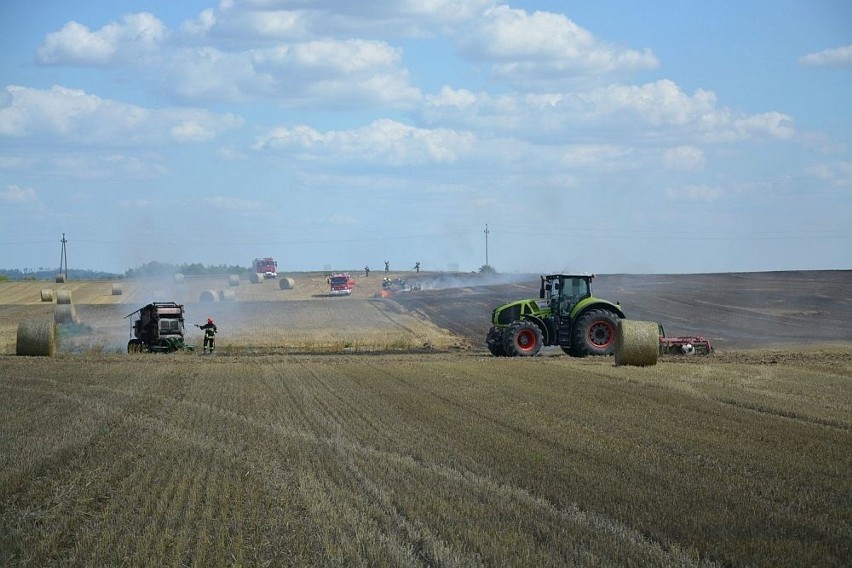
(209, 320)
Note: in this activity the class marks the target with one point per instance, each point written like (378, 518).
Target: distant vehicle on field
(341, 284)
(268, 267)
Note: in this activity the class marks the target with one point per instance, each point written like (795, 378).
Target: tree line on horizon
(148, 269)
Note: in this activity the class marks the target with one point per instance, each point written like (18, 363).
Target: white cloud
(545, 46)
(837, 57)
(382, 142)
(837, 174)
(76, 44)
(683, 158)
(18, 195)
(74, 115)
(660, 109)
(288, 19)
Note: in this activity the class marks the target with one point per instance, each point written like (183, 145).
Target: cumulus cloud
(660, 108)
(683, 158)
(545, 46)
(75, 44)
(299, 19)
(837, 174)
(835, 57)
(74, 115)
(384, 142)
(15, 194)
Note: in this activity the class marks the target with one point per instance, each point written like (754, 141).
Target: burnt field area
(734, 310)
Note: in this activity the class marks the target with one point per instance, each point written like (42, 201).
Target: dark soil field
(357, 431)
(736, 311)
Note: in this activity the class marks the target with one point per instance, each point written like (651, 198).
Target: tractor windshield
(571, 291)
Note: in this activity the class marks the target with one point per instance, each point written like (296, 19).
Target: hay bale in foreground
(46, 295)
(255, 278)
(637, 343)
(207, 296)
(65, 313)
(234, 280)
(63, 296)
(286, 283)
(227, 296)
(36, 337)
(116, 290)
(178, 278)
(60, 278)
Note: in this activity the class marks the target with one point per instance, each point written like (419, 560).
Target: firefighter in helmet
(210, 331)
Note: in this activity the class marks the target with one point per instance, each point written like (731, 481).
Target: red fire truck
(341, 284)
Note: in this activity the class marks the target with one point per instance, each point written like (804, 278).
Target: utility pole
(486, 245)
(63, 260)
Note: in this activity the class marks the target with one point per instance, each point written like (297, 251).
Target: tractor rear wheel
(494, 341)
(522, 339)
(594, 333)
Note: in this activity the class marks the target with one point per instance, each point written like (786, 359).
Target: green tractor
(566, 314)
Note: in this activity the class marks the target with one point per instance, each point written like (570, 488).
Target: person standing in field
(366, 272)
(210, 330)
(387, 266)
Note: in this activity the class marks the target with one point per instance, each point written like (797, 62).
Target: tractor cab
(562, 292)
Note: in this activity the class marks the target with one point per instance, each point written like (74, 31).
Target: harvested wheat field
(355, 431)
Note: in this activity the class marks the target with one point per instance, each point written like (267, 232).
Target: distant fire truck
(341, 284)
(266, 266)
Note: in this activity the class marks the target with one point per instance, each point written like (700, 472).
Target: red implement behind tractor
(684, 344)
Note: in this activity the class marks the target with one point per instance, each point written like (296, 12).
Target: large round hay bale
(116, 290)
(234, 280)
(255, 278)
(286, 283)
(207, 296)
(46, 295)
(60, 278)
(36, 337)
(637, 343)
(227, 296)
(65, 313)
(63, 296)
(178, 278)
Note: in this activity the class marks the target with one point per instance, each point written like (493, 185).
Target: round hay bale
(255, 278)
(60, 278)
(63, 296)
(207, 296)
(46, 295)
(286, 283)
(65, 313)
(116, 290)
(234, 280)
(178, 278)
(36, 337)
(227, 296)
(637, 343)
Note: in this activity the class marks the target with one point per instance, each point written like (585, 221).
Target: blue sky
(605, 136)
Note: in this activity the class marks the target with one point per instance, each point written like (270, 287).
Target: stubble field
(354, 431)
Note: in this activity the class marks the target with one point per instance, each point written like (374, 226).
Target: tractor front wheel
(494, 341)
(594, 333)
(522, 339)
(134, 346)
